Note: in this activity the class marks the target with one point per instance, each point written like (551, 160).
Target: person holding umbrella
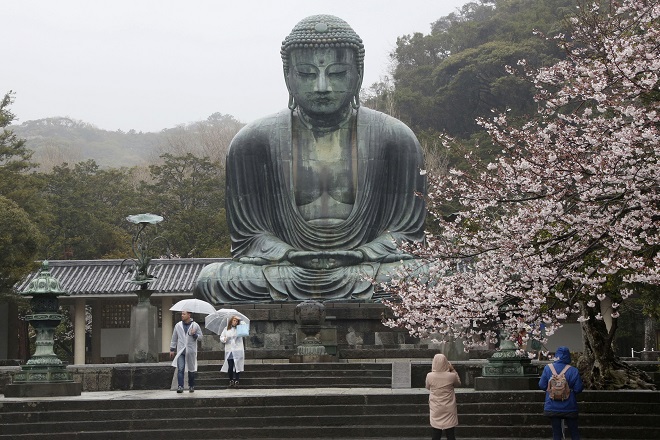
(184, 343)
(234, 351)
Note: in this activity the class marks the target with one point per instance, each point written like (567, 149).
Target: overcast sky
(153, 64)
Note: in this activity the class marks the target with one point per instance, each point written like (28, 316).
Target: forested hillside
(443, 81)
(60, 139)
(76, 184)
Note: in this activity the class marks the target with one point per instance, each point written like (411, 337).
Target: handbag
(243, 329)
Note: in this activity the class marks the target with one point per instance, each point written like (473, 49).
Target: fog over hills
(62, 139)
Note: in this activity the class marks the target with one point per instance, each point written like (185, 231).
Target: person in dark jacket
(562, 409)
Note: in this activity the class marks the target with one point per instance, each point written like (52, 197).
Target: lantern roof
(44, 284)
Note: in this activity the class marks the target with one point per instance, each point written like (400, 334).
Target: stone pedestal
(310, 317)
(144, 322)
(327, 336)
(506, 370)
(43, 377)
(40, 381)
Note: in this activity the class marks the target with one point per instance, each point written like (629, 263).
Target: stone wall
(352, 330)
(467, 371)
(113, 377)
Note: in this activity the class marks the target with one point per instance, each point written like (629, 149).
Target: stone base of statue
(506, 370)
(43, 389)
(311, 359)
(311, 349)
(43, 381)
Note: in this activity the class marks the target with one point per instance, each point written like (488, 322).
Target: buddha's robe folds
(265, 222)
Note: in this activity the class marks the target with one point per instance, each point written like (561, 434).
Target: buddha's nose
(322, 84)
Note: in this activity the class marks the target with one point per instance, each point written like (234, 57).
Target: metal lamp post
(143, 347)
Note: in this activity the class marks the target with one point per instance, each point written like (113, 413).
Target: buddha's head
(323, 60)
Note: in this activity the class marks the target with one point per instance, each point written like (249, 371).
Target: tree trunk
(600, 368)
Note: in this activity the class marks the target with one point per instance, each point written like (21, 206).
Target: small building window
(116, 315)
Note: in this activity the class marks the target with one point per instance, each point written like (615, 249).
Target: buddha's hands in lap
(254, 260)
(324, 260)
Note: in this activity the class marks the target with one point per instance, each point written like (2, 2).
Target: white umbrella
(217, 321)
(193, 306)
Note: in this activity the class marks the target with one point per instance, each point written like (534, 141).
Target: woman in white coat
(442, 399)
(234, 352)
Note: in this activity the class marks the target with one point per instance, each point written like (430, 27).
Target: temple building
(102, 288)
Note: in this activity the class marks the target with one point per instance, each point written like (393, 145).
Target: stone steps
(300, 375)
(359, 414)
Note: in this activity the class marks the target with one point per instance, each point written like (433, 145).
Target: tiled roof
(109, 278)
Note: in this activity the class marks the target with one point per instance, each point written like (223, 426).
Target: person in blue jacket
(562, 409)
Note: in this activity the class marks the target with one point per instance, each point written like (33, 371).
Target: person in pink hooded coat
(442, 400)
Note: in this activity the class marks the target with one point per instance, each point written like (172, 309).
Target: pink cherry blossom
(568, 210)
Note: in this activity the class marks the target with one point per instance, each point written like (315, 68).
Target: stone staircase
(300, 375)
(322, 413)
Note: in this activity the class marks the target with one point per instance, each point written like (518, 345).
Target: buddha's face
(323, 81)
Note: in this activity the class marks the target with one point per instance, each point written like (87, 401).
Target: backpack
(557, 385)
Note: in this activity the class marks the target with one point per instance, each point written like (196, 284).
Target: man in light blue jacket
(562, 409)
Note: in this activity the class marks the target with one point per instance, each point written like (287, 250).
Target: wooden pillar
(79, 332)
(97, 319)
(166, 324)
(14, 339)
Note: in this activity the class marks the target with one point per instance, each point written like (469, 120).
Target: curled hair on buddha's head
(324, 31)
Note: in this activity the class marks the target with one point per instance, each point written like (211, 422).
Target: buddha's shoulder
(267, 123)
(258, 131)
(372, 117)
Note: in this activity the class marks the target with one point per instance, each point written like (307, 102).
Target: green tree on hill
(89, 206)
(189, 192)
(444, 81)
(20, 239)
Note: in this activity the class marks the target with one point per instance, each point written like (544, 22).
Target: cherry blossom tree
(564, 222)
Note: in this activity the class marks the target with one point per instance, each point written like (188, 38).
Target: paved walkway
(229, 392)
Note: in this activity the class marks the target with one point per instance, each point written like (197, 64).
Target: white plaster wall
(569, 335)
(115, 341)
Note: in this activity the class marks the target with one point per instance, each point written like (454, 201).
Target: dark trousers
(437, 434)
(233, 374)
(571, 423)
(181, 368)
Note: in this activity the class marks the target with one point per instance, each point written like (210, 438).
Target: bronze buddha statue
(319, 194)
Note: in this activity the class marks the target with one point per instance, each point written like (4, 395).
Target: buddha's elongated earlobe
(292, 102)
(355, 102)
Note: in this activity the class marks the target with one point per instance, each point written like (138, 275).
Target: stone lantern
(44, 374)
(506, 369)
